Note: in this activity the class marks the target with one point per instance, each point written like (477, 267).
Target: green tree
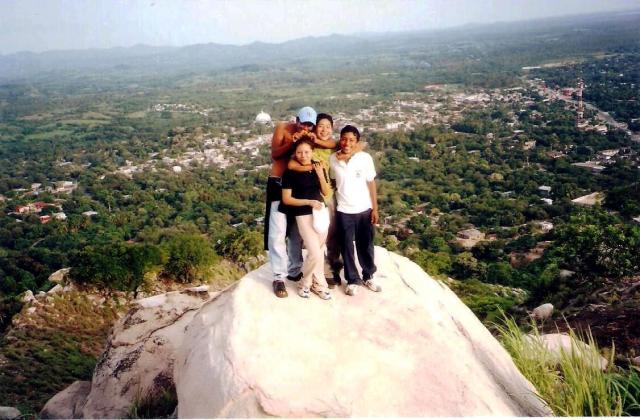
(189, 256)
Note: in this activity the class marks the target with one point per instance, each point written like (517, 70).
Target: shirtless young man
(285, 256)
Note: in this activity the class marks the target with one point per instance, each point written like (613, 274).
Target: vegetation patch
(574, 386)
(48, 350)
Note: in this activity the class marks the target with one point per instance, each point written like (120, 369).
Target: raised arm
(325, 144)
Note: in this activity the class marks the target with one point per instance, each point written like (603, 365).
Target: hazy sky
(40, 25)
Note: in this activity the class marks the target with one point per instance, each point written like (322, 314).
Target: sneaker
(371, 285)
(351, 289)
(321, 292)
(303, 292)
(294, 278)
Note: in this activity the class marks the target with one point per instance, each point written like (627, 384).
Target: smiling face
(348, 142)
(303, 154)
(324, 129)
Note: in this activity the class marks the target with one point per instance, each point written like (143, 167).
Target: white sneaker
(321, 291)
(303, 292)
(351, 289)
(371, 285)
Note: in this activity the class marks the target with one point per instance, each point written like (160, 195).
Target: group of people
(312, 174)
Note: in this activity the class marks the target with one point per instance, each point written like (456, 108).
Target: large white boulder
(413, 350)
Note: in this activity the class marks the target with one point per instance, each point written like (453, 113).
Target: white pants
(284, 257)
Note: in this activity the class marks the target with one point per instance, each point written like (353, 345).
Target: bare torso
(281, 145)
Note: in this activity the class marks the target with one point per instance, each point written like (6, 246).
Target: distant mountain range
(144, 58)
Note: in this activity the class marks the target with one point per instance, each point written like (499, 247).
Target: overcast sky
(40, 25)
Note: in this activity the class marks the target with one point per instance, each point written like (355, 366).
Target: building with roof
(589, 199)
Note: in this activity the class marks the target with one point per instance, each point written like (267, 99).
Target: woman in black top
(302, 192)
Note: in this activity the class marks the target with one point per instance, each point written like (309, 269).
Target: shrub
(189, 256)
(118, 265)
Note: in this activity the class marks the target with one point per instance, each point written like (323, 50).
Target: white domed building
(263, 118)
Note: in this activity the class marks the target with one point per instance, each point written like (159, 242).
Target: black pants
(334, 239)
(357, 227)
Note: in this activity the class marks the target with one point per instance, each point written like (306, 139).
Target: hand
(319, 168)
(296, 136)
(313, 137)
(374, 216)
(342, 155)
(315, 204)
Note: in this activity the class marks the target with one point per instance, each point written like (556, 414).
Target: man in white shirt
(357, 210)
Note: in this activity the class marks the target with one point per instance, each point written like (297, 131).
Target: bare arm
(373, 193)
(325, 144)
(325, 188)
(294, 165)
(279, 143)
(289, 200)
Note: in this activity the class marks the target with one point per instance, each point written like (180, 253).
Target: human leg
(349, 224)
(294, 250)
(334, 238)
(277, 247)
(364, 244)
(313, 268)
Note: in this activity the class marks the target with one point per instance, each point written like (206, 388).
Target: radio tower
(580, 122)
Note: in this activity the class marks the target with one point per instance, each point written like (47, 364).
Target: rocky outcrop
(412, 350)
(60, 276)
(68, 403)
(138, 361)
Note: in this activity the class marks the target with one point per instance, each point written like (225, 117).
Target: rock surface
(138, 362)
(9, 413)
(543, 312)
(68, 403)
(55, 289)
(27, 297)
(557, 344)
(59, 276)
(413, 350)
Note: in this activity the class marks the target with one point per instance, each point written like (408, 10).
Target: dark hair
(303, 140)
(350, 129)
(323, 116)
